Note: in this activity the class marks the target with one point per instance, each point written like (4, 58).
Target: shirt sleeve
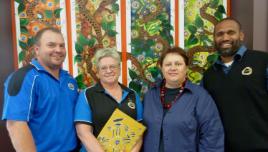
(139, 108)
(18, 106)
(211, 133)
(83, 111)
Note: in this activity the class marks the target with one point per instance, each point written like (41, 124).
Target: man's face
(228, 38)
(50, 51)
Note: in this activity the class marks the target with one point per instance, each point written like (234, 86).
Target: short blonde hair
(106, 52)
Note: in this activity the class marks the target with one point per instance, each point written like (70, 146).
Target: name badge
(247, 71)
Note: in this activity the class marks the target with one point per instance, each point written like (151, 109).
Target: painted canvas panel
(200, 16)
(150, 34)
(94, 27)
(30, 17)
(150, 28)
(120, 133)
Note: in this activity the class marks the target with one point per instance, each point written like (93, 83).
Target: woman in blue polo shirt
(180, 116)
(96, 104)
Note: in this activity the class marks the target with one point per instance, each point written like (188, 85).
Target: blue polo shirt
(47, 104)
(83, 112)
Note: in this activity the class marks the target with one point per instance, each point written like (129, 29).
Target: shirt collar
(99, 88)
(187, 86)
(39, 67)
(238, 55)
(126, 90)
(241, 51)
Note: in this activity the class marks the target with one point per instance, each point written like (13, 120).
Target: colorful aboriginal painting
(97, 24)
(200, 16)
(151, 30)
(95, 28)
(150, 34)
(31, 16)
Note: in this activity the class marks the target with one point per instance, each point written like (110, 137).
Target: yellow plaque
(120, 133)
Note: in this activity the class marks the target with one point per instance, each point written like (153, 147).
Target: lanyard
(163, 91)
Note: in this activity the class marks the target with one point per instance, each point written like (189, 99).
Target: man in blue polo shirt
(40, 99)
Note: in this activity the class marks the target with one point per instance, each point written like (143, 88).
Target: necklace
(163, 91)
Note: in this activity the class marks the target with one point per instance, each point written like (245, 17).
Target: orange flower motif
(49, 5)
(23, 38)
(34, 27)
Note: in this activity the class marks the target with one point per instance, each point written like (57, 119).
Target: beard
(228, 52)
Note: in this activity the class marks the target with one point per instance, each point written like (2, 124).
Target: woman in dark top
(96, 104)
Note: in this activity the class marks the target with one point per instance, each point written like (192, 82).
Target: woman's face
(108, 70)
(174, 70)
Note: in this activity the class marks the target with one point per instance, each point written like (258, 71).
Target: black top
(171, 94)
(169, 97)
(103, 105)
(242, 99)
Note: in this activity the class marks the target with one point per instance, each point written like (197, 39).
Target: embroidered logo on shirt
(247, 71)
(131, 104)
(71, 86)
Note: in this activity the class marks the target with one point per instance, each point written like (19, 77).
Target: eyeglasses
(111, 67)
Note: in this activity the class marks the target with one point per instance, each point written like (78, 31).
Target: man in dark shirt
(238, 84)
